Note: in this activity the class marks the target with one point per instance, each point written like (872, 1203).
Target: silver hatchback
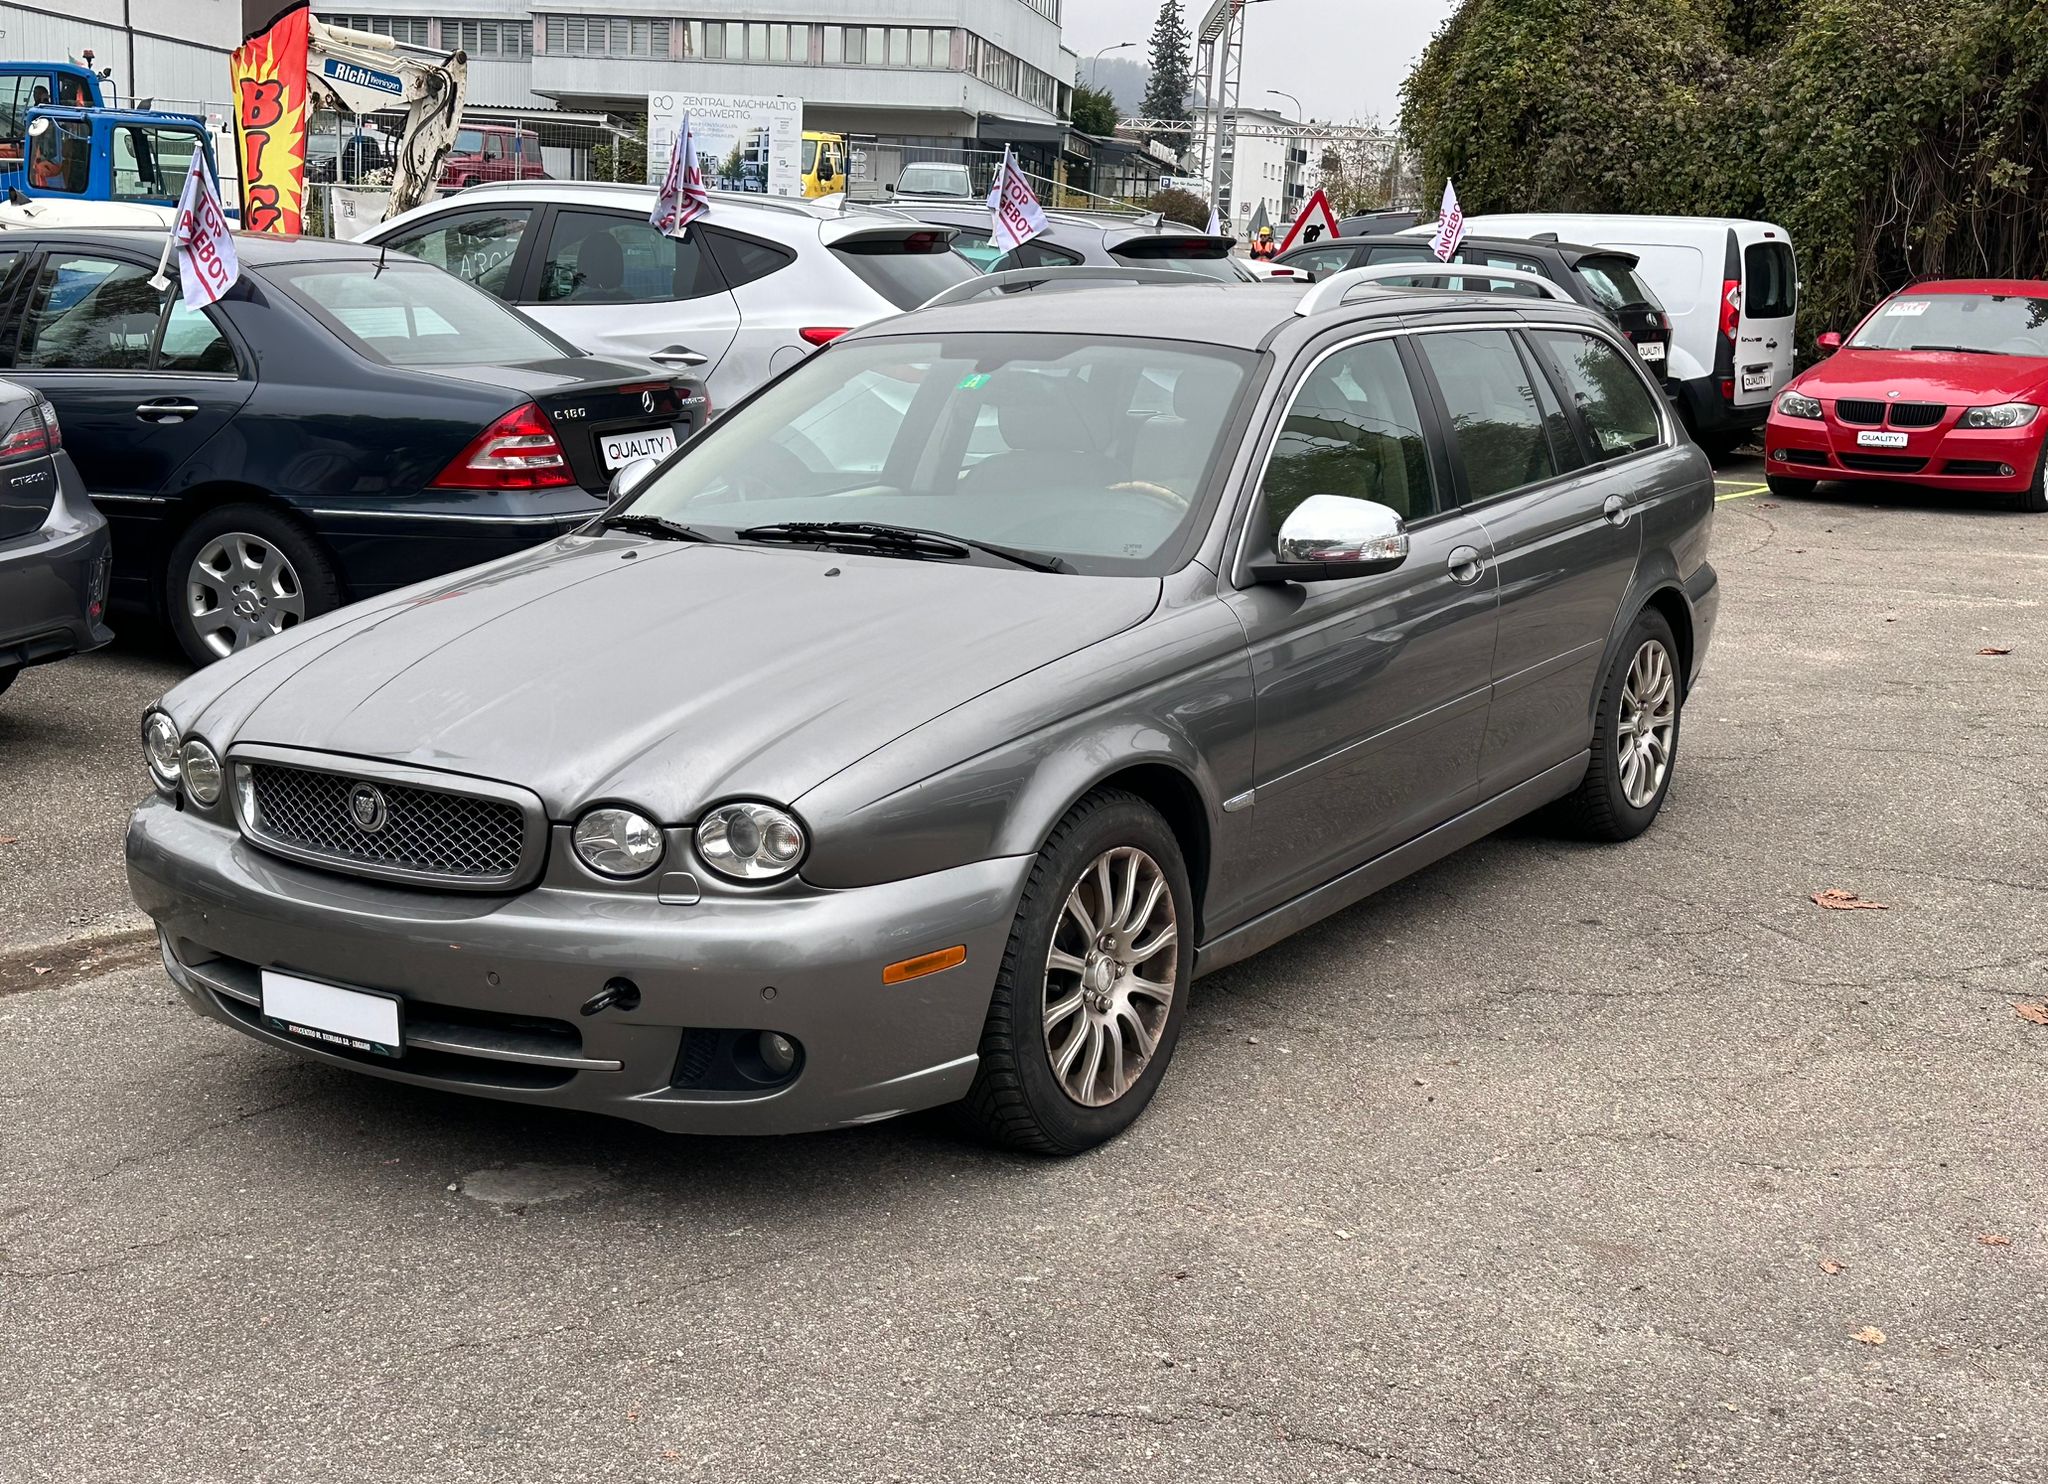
(748, 292)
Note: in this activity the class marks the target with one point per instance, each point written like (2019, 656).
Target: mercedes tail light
(34, 433)
(517, 452)
(1731, 306)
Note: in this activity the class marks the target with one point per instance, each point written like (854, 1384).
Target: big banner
(268, 72)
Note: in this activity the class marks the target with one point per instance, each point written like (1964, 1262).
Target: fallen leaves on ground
(1994, 1239)
(8, 839)
(1993, 650)
(1837, 900)
(1870, 1334)
(2038, 1014)
(1829, 1266)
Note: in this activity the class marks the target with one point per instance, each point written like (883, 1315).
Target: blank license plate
(620, 449)
(355, 1018)
(1756, 378)
(1651, 350)
(1880, 440)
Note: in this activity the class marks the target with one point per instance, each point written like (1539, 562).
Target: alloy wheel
(1648, 723)
(1110, 976)
(240, 589)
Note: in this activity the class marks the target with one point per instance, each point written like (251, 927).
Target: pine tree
(1166, 94)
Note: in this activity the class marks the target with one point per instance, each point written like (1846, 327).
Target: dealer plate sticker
(353, 1018)
(1907, 308)
(1756, 379)
(1880, 440)
(621, 449)
(1651, 350)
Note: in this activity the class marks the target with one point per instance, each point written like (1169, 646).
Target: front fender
(992, 777)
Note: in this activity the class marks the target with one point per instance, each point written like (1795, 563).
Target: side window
(1403, 253)
(476, 246)
(494, 147)
(1768, 287)
(1564, 443)
(1609, 393)
(1034, 255)
(977, 249)
(1320, 259)
(743, 259)
(192, 342)
(90, 314)
(1491, 257)
(60, 158)
(151, 163)
(1494, 413)
(1352, 430)
(599, 257)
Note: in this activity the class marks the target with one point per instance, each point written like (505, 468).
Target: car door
(1371, 691)
(1562, 528)
(612, 283)
(1769, 310)
(141, 382)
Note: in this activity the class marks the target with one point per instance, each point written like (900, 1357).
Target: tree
(1166, 94)
(1177, 205)
(1094, 110)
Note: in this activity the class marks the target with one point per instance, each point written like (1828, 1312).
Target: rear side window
(1036, 255)
(476, 246)
(90, 314)
(1770, 289)
(905, 270)
(1402, 253)
(1320, 259)
(1352, 430)
(600, 257)
(192, 342)
(1608, 392)
(978, 250)
(743, 259)
(1493, 410)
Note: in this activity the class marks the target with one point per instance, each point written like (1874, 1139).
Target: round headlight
(202, 773)
(750, 842)
(618, 842)
(160, 748)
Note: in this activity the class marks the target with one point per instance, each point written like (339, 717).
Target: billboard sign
(743, 144)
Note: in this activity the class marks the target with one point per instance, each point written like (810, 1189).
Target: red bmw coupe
(1942, 385)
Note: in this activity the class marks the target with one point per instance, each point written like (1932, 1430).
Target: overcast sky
(1340, 57)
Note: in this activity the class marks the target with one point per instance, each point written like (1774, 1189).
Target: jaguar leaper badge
(367, 810)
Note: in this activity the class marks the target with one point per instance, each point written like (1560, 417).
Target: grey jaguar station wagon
(920, 731)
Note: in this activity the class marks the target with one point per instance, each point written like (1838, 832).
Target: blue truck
(59, 140)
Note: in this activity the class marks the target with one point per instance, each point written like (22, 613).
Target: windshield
(1615, 283)
(405, 313)
(469, 141)
(810, 155)
(1091, 450)
(1993, 324)
(935, 180)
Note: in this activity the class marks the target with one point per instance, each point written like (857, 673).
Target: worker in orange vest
(1263, 248)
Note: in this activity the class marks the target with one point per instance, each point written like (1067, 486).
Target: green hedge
(1893, 142)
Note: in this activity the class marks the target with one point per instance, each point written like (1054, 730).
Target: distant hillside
(1124, 78)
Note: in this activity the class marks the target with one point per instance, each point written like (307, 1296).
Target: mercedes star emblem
(647, 401)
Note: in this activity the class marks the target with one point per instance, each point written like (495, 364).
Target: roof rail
(1331, 292)
(1031, 278)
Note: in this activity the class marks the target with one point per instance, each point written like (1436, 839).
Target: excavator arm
(357, 72)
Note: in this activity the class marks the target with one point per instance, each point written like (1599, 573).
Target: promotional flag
(1018, 216)
(268, 75)
(1450, 226)
(683, 198)
(207, 263)
(1315, 220)
(1215, 228)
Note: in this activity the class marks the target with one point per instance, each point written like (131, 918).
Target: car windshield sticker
(972, 383)
(1907, 306)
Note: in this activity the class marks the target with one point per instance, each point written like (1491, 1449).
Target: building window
(487, 38)
(606, 36)
(413, 32)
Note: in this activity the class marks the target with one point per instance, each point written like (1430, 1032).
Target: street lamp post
(1097, 58)
(1299, 111)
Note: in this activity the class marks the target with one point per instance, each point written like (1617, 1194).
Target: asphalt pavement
(1553, 1163)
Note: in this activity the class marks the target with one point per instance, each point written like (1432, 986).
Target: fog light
(2005, 471)
(778, 1053)
(1781, 455)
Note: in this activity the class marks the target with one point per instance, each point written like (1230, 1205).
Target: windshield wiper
(908, 540)
(1967, 350)
(652, 525)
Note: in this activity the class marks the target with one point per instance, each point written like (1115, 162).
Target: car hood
(671, 675)
(1926, 376)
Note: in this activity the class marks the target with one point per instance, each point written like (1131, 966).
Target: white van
(1731, 287)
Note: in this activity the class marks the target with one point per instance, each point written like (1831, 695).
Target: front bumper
(493, 985)
(53, 582)
(1943, 457)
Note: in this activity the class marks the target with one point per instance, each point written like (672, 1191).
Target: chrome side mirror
(1327, 537)
(630, 478)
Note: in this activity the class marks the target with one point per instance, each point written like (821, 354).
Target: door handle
(167, 410)
(1615, 509)
(1466, 564)
(677, 355)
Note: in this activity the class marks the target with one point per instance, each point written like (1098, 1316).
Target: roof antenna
(382, 248)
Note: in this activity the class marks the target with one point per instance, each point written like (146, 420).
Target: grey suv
(920, 731)
(1075, 239)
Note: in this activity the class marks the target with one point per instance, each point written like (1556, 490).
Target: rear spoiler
(838, 231)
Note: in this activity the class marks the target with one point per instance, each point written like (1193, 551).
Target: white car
(752, 288)
(1731, 287)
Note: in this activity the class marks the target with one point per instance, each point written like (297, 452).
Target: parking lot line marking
(1741, 494)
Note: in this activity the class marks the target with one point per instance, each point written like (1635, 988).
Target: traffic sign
(1306, 228)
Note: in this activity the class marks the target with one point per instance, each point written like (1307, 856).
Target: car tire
(1641, 703)
(1787, 488)
(2033, 500)
(1066, 1025)
(240, 574)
